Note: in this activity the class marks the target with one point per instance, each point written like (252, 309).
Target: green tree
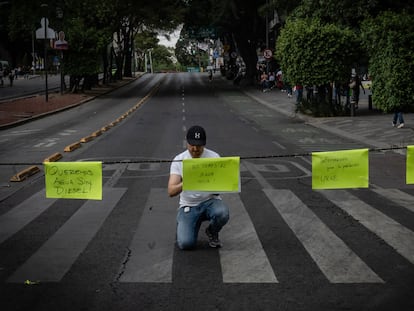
(349, 13)
(186, 49)
(237, 23)
(144, 41)
(134, 17)
(389, 40)
(19, 20)
(315, 54)
(89, 26)
(89, 36)
(345, 12)
(163, 59)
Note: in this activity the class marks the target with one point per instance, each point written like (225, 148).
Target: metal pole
(150, 56)
(45, 46)
(267, 33)
(267, 24)
(33, 55)
(45, 62)
(61, 73)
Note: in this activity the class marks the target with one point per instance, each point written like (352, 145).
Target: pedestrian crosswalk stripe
(335, 259)
(243, 259)
(152, 247)
(55, 257)
(393, 233)
(397, 196)
(18, 217)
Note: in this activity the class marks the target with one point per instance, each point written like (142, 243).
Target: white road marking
(397, 196)
(335, 259)
(18, 217)
(242, 257)
(54, 259)
(393, 233)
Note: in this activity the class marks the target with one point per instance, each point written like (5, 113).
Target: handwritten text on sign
(409, 175)
(340, 169)
(73, 180)
(211, 174)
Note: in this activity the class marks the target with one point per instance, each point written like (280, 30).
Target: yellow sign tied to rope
(409, 176)
(73, 180)
(340, 169)
(216, 175)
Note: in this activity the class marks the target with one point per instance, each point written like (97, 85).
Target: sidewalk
(370, 127)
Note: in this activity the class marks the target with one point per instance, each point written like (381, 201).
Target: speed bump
(105, 128)
(97, 133)
(72, 147)
(86, 139)
(53, 158)
(25, 173)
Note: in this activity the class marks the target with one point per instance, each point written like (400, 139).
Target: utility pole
(267, 33)
(44, 5)
(59, 15)
(33, 54)
(267, 24)
(150, 59)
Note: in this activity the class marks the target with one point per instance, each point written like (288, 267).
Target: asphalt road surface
(286, 246)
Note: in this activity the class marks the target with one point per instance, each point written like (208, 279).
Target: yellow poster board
(340, 169)
(73, 180)
(409, 176)
(212, 174)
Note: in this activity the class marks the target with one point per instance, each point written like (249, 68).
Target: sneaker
(400, 126)
(393, 124)
(213, 239)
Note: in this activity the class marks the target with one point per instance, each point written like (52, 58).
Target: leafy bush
(315, 54)
(389, 40)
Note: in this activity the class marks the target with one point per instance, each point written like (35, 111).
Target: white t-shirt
(192, 198)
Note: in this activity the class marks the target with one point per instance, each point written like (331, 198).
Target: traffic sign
(41, 33)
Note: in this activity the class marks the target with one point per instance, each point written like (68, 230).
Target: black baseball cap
(196, 136)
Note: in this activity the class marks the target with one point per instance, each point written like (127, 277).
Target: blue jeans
(398, 116)
(188, 224)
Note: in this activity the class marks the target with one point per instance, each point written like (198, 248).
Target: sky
(173, 36)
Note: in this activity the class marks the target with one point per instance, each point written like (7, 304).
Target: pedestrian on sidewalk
(288, 88)
(398, 116)
(272, 80)
(210, 75)
(196, 207)
(264, 81)
(355, 85)
(299, 95)
(10, 75)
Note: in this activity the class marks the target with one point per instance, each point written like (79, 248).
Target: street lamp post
(44, 5)
(59, 15)
(33, 53)
(150, 59)
(267, 24)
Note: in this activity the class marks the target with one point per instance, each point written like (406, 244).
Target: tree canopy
(91, 27)
(389, 40)
(313, 53)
